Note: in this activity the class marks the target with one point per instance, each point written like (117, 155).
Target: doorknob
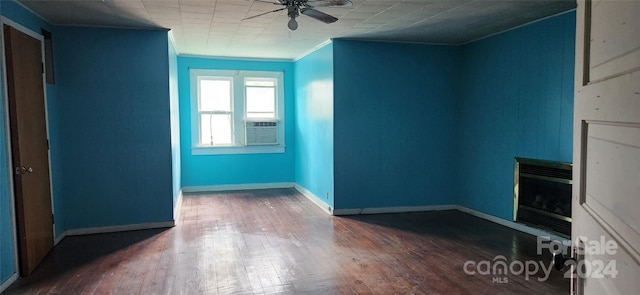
(23, 170)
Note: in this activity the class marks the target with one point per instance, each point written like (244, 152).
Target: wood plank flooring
(277, 242)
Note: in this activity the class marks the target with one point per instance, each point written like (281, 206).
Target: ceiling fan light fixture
(293, 24)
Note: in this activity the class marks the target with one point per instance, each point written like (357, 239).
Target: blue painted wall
(314, 123)
(394, 132)
(20, 15)
(7, 261)
(175, 123)
(6, 229)
(516, 100)
(54, 151)
(17, 13)
(208, 170)
(114, 126)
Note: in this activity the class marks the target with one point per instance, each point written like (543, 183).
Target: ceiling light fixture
(292, 24)
(292, 12)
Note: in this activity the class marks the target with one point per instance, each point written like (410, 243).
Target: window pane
(215, 129)
(261, 102)
(215, 95)
(260, 83)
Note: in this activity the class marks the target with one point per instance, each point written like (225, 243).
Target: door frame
(7, 129)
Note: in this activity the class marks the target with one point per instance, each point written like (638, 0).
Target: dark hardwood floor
(278, 242)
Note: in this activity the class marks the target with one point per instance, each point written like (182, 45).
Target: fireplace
(542, 195)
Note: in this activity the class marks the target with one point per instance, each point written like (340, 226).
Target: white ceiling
(214, 27)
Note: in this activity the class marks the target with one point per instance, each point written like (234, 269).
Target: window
(261, 98)
(214, 111)
(236, 112)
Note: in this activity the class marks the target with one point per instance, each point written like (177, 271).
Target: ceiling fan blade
(325, 3)
(270, 2)
(319, 15)
(246, 18)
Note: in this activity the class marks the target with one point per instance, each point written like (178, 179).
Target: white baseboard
(400, 209)
(404, 209)
(511, 224)
(236, 187)
(4, 285)
(315, 199)
(176, 208)
(60, 238)
(118, 228)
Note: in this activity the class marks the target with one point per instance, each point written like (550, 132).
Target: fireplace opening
(542, 195)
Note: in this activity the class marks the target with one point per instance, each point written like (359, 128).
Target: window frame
(238, 112)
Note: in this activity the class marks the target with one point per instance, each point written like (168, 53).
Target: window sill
(232, 150)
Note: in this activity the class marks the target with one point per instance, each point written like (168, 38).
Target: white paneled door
(606, 144)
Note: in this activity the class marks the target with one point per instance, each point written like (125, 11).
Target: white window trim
(238, 118)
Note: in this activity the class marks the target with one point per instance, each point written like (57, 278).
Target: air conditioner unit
(261, 133)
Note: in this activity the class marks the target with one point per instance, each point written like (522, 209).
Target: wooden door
(606, 193)
(29, 147)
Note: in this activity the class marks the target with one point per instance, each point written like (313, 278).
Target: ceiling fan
(306, 7)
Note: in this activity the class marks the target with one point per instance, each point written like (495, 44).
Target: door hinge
(53, 219)
(42, 67)
(48, 148)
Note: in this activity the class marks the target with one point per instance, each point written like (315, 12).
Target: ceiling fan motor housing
(292, 11)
